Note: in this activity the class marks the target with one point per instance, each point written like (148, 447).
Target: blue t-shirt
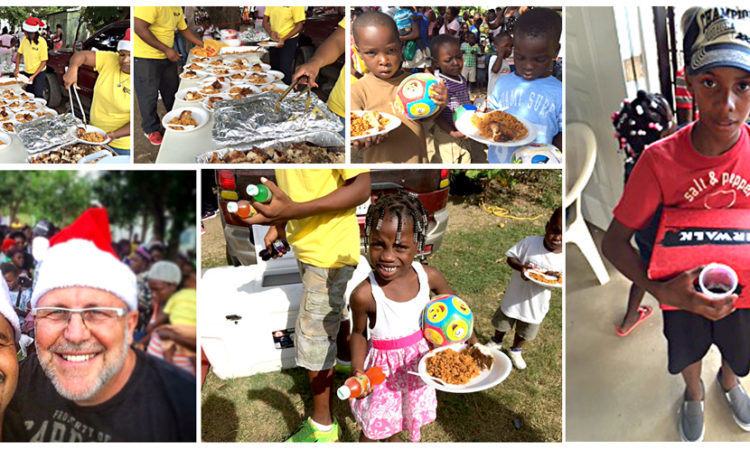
(538, 101)
(403, 20)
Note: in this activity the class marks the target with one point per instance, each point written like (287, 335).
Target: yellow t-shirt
(181, 307)
(337, 100)
(33, 54)
(163, 20)
(329, 240)
(283, 18)
(110, 108)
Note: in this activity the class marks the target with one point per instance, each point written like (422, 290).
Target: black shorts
(689, 336)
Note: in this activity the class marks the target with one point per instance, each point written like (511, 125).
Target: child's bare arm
(516, 264)
(557, 140)
(678, 291)
(438, 283)
(362, 304)
(354, 192)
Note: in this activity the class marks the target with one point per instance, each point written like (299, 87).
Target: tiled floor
(618, 389)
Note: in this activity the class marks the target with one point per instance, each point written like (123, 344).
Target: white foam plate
(224, 96)
(268, 44)
(5, 140)
(541, 283)
(394, 122)
(241, 50)
(487, 378)
(464, 125)
(94, 156)
(270, 77)
(252, 87)
(210, 80)
(200, 115)
(15, 124)
(181, 94)
(89, 129)
(199, 75)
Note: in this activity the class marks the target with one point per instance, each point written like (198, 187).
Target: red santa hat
(82, 255)
(125, 43)
(31, 25)
(8, 243)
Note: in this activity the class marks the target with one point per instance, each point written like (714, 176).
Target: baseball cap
(716, 37)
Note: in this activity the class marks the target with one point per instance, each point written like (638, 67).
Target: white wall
(595, 86)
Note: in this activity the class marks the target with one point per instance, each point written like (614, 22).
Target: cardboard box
(688, 238)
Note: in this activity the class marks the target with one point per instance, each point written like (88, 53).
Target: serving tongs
(307, 91)
(72, 90)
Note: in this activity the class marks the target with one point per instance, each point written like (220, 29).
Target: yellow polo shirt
(337, 100)
(110, 108)
(283, 18)
(163, 20)
(329, 240)
(33, 54)
(181, 307)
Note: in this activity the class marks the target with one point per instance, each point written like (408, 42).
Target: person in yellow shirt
(156, 61)
(34, 51)
(283, 24)
(110, 107)
(315, 210)
(328, 53)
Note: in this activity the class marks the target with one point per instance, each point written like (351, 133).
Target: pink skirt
(403, 401)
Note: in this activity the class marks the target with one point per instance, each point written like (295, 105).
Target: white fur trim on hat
(78, 262)
(125, 43)
(6, 309)
(32, 26)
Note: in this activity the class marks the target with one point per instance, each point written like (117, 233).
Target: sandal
(643, 312)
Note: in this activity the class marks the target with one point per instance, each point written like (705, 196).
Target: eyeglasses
(91, 316)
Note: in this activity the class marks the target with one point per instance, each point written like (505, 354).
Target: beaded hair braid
(399, 204)
(640, 122)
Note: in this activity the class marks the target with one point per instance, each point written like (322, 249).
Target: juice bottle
(355, 387)
(241, 208)
(259, 193)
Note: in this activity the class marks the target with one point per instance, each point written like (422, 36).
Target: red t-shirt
(672, 173)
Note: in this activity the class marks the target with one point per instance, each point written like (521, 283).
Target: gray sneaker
(739, 403)
(691, 420)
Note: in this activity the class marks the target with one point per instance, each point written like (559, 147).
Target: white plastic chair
(580, 156)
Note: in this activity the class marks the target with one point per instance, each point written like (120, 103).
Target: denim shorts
(321, 311)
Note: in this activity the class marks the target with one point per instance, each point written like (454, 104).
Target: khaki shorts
(503, 324)
(470, 73)
(321, 311)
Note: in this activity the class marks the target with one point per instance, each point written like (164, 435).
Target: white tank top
(395, 320)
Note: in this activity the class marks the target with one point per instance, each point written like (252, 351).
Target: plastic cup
(717, 281)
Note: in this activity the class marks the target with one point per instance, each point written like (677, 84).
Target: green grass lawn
(269, 407)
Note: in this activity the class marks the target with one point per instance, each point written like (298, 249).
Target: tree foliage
(165, 200)
(97, 17)
(18, 14)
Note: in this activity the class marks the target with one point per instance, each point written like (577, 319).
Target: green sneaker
(308, 433)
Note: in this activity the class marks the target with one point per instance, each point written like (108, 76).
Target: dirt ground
(145, 153)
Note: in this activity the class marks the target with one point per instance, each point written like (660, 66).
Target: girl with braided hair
(389, 305)
(639, 123)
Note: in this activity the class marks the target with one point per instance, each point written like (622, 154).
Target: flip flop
(643, 312)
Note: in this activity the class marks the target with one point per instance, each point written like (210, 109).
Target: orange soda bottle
(241, 208)
(355, 387)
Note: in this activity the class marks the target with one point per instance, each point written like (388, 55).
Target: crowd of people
(504, 58)
(134, 334)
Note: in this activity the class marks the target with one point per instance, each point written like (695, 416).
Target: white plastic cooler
(247, 314)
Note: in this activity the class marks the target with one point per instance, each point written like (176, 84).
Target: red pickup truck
(105, 39)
